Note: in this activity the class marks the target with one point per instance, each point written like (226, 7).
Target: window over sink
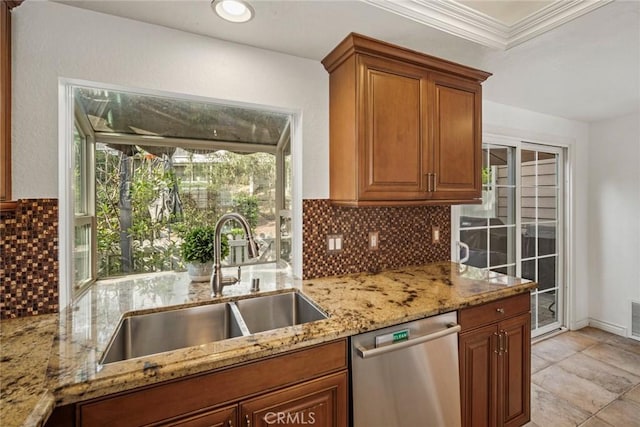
(147, 168)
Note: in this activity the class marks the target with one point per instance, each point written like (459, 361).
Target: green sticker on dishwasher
(401, 335)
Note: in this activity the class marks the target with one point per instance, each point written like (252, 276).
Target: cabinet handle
(428, 176)
(495, 334)
(506, 341)
(229, 423)
(247, 420)
(500, 310)
(435, 182)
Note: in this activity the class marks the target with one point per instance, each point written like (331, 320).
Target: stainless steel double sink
(171, 329)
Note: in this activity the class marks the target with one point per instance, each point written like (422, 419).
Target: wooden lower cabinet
(321, 403)
(291, 389)
(495, 363)
(223, 417)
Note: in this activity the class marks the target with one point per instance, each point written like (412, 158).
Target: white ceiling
(508, 12)
(586, 69)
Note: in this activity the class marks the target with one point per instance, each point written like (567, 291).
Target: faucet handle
(255, 284)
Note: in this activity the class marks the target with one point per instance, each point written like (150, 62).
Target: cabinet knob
(500, 310)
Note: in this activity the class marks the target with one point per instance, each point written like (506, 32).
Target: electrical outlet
(374, 240)
(435, 234)
(338, 242)
(334, 243)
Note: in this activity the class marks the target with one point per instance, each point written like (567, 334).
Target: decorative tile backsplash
(404, 234)
(29, 259)
(29, 246)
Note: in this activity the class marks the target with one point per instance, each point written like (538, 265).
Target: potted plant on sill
(198, 251)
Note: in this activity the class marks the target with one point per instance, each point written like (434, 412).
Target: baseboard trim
(608, 327)
(579, 324)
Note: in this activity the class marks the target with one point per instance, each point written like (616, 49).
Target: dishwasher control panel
(392, 337)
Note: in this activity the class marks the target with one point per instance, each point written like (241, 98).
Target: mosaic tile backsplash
(29, 259)
(404, 234)
(29, 246)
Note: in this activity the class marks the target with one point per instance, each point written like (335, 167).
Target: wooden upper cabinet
(405, 127)
(457, 140)
(393, 163)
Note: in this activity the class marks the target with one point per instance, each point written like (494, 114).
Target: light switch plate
(334, 243)
(435, 234)
(374, 240)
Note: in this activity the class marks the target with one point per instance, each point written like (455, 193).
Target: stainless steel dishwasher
(407, 375)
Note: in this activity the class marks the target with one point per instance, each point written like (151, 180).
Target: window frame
(66, 120)
(88, 216)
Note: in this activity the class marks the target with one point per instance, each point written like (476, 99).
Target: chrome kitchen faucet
(217, 280)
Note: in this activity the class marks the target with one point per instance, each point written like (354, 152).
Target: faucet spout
(217, 280)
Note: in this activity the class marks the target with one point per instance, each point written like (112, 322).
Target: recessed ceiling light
(233, 10)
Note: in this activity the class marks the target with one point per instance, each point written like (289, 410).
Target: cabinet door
(457, 140)
(478, 376)
(393, 131)
(224, 417)
(515, 384)
(321, 403)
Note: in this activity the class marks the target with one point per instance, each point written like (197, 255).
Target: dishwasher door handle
(365, 354)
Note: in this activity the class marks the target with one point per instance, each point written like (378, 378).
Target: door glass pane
(528, 204)
(547, 203)
(528, 168)
(528, 240)
(500, 166)
(547, 169)
(477, 241)
(547, 309)
(505, 205)
(546, 238)
(501, 245)
(529, 270)
(475, 215)
(547, 273)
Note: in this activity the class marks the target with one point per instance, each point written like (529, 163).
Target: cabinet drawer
(495, 311)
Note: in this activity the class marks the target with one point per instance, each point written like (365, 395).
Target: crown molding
(463, 21)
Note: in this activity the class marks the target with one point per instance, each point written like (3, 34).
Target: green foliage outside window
(156, 229)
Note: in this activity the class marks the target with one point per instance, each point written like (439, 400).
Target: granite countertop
(355, 303)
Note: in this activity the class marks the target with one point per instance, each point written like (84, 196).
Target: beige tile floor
(587, 378)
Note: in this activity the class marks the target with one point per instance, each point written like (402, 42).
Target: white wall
(52, 40)
(614, 221)
(510, 121)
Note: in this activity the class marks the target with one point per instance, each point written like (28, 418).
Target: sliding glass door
(518, 228)
(541, 233)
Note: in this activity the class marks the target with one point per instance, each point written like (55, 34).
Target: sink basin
(144, 334)
(277, 311)
(171, 329)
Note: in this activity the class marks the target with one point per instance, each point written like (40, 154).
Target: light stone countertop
(70, 344)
